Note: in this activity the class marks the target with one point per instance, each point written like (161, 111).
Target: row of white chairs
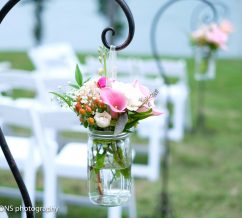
(41, 149)
(18, 79)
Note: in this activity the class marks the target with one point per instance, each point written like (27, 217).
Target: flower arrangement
(214, 35)
(110, 109)
(105, 104)
(207, 40)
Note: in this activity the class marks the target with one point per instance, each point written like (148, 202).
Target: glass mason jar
(205, 63)
(109, 168)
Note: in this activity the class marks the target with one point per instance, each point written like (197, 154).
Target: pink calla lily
(114, 99)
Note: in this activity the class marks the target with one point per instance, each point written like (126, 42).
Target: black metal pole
(200, 122)
(17, 176)
(9, 157)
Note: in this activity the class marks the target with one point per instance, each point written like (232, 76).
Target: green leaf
(65, 98)
(141, 115)
(85, 124)
(78, 76)
(74, 86)
(131, 124)
(100, 160)
(126, 172)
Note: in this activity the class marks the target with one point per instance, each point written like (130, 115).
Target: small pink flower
(114, 99)
(102, 82)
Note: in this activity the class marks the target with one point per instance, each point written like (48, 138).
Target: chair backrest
(172, 68)
(11, 79)
(54, 83)
(53, 121)
(54, 57)
(40, 84)
(153, 129)
(11, 114)
(24, 80)
(60, 119)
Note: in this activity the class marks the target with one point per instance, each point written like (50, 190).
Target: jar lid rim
(107, 133)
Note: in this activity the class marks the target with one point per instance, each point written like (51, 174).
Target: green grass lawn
(206, 168)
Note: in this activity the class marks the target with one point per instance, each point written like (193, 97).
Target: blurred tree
(38, 16)
(110, 10)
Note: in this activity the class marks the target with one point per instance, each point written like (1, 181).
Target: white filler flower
(103, 119)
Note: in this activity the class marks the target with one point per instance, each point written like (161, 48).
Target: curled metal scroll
(199, 15)
(131, 23)
(154, 26)
(6, 8)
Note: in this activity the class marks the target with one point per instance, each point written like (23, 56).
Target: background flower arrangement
(207, 40)
(214, 35)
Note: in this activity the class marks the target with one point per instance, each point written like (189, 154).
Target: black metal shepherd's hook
(11, 162)
(130, 19)
(165, 206)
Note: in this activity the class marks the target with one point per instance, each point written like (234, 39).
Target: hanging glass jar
(205, 63)
(109, 168)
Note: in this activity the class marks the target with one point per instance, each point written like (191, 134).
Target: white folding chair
(153, 129)
(25, 150)
(177, 94)
(13, 79)
(69, 162)
(39, 84)
(17, 79)
(58, 59)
